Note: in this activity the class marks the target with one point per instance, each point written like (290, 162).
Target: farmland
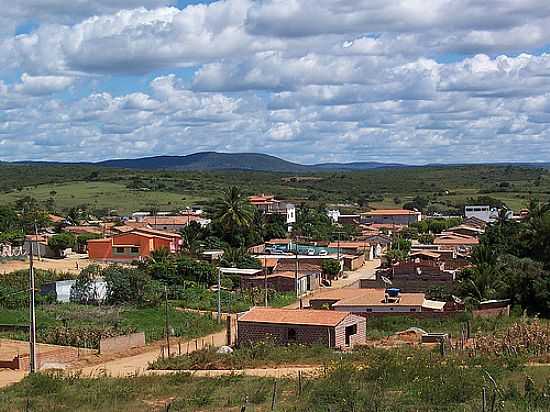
(122, 191)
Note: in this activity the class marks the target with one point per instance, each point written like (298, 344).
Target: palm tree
(233, 211)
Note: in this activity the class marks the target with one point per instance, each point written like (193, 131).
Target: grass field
(109, 189)
(396, 381)
(71, 324)
(103, 195)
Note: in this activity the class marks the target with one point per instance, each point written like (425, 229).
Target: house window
(119, 250)
(291, 335)
(134, 250)
(413, 309)
(369, 310)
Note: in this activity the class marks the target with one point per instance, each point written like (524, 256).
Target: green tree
(234, 214)
(62, 241)
(84, 290)
(331, 268)
(129, 285)
(9, 221)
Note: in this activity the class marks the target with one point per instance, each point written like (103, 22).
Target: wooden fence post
(274, 396)
(228, 330)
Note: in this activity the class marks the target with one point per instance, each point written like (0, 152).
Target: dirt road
(137, 364)
(68, 264)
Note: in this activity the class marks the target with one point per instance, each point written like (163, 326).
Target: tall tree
(234, 213)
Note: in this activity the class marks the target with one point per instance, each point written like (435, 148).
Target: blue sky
(307, 80)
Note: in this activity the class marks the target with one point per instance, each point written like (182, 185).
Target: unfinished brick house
(413, 276)
(308, 327)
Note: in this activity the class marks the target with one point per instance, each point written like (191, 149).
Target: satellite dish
(456, 299)
(418, 271)
(386, 280)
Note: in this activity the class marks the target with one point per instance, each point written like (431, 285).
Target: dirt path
(137, 364)
(283, 372)
(68, 264)
(9, 377)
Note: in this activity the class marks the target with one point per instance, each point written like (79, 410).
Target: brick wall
(63, 355)
(121, 343)
(249, 332)
(357, 339)
(491, 312)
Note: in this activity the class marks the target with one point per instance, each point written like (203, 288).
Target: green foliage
(130, 285)
(239, 258)
(331, 268)
(313, 224)
(62, 241)
(234, 214)
(84, 290)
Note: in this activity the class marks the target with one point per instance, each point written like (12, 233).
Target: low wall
(10, 364)
(121, 343)
(63, 355)
(416, 315)
(491, 312)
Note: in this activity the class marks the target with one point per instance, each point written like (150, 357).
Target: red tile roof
(294, 316)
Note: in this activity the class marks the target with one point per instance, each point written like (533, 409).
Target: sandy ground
(138, 363)
(68, 264)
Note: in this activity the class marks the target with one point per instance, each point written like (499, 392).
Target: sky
(409, 81)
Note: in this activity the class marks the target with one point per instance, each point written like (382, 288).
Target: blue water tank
(393, 292)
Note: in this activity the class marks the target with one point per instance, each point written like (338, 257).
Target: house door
(350, 330)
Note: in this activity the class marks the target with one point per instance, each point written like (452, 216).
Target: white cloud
(40, 85)
(409, 81)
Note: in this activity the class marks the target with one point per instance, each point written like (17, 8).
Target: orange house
(135, 245)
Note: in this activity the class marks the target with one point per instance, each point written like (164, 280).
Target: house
(484, 213)
(467, 230)
(343, 219)
(357, 247)
(284, 281)
(138, 244)
(412, 276)
(61, 290)
(271, 206)
(286, 277)
(173, 223)
(308, 327)
(377, 301)
(397, 217)
(40, 246)
(455, 241)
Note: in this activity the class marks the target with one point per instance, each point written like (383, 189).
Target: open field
(127, 190)
(82, 325)
(103, 195)
(391, 382)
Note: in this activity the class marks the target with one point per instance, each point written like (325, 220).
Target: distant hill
(235, 161)
(205, 161)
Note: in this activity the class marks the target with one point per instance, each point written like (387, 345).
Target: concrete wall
(121, 343)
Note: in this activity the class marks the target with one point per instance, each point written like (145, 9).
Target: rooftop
(294, 316)
(392, 212)
(376, 297)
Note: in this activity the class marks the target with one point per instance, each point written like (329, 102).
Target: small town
(275, 206)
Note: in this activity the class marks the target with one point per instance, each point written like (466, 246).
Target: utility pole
(339, 233)
(265, 279)
(166, 331)
(219, 295)
(32, 316)
(296, 283)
